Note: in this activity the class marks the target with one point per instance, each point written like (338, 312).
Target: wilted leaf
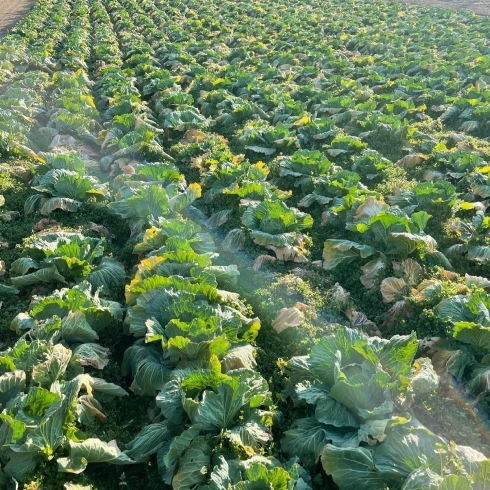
(91, 355)
(369, 208)
(8, 216)
(424, 379)
(392, 288)
(410, 269)
(478, 281)
(359, 319)
(261, 149)
(45, 223)
(259, 261)
(339, 294)
(194, 136)
(288, 252)
(99, 229)
(240, 357)
(371, 271)
(410, 161)
(288, 317)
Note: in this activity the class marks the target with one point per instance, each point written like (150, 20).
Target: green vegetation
(243, 245)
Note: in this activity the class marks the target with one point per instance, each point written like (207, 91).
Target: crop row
(329, 163)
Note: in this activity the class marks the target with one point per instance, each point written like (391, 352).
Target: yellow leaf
(483, 170)
(196, 189)
(301, 122)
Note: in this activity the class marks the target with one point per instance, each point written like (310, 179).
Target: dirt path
(11, 11)
(481, 7)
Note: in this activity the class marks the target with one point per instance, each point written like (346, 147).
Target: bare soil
(11, 11)
(481, 7)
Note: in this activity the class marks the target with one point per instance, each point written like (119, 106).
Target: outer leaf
(74, 328)
(91, 451)
(352, 468)
(193, 465)
(306, 440)
(336, 252)
(49, 274)
(218, 410)
(422, 479)
(63, 203)
(108, 274)
(406, 449)
(91, 355)
(329, 411)
(11, 383)
(147, 442)
(54, 367)
(392, 288)
(474, 334)
(168, 456)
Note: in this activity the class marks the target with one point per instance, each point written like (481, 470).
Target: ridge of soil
(11, 11)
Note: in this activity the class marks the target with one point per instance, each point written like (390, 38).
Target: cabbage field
(244, 245)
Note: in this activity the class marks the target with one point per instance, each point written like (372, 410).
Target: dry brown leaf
(371, 270)
(288, 317)
(21, 173)
(197, 162)
(369, 208)
(288, 253)
(240, 357)
(410, 161)
(326, 216)
(8, 216)
(122, 162)
(193, 136)
(259, 261)
(3, 269)
(45, 223)
(87, 152)
(359, 319)
(391, 288)
(399, 308)
(101, 230)
(128, 170)
(448, 276)
(93, 407)
(302, 306)
(63, 140)
(339, 294)
(410, 268)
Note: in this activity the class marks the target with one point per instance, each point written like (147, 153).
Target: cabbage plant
(66, 257)
(357, 392)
